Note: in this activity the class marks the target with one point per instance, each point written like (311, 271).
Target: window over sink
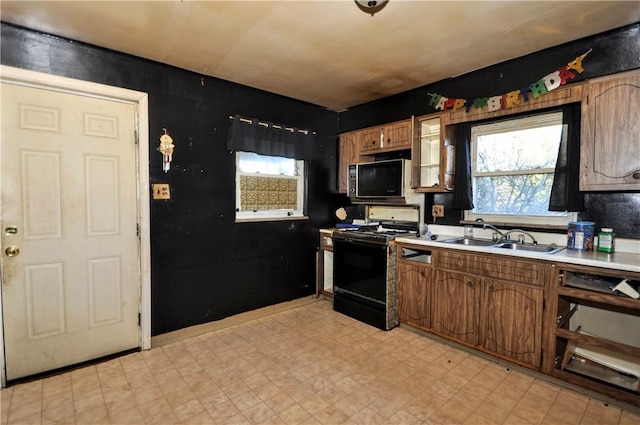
(268, 187)
(512, 170)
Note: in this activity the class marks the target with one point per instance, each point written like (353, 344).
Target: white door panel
(69, 187)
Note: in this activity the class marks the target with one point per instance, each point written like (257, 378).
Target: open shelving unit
(597, 334)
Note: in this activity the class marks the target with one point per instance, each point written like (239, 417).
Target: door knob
(12, 251)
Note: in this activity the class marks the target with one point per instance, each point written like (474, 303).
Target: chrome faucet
(520, 237)
(497, 232)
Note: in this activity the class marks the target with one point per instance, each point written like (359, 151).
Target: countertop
(626, 261)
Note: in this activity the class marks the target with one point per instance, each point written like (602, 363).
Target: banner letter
(538, 88)
(512, 99)
(494, 103)
(552, 81)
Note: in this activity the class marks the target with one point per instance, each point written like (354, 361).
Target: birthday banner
(516, 97)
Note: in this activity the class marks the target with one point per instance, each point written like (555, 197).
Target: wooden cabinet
(610, 134)
(349, 153)
(491, 302)
(456, 306)
(433, 154)
(386, 138)
(362, 145)
(512, 322)
(596, 340)
(414, 298)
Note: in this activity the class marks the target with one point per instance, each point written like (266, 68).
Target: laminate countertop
(625, 261)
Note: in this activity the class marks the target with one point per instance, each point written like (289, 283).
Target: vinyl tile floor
(308, 365)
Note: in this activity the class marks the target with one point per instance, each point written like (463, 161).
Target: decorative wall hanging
(166, 149)
(494, 103)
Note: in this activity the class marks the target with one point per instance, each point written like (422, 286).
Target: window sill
(550, 227)
(258, 219)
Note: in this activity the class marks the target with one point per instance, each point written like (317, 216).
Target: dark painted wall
(204, 266)
(612, 52)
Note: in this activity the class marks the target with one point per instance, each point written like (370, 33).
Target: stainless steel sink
(548, 249)
(470, 241)
(515, 246)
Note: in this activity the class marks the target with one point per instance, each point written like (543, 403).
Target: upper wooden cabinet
(349, 153)
(610, 136)
(386, 138)
(433, 154)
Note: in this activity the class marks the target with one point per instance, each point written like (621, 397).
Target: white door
(70, 252)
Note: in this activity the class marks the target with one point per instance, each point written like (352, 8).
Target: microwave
(386, 179)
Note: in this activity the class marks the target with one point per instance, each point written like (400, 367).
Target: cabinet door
(512, 321)
(413, 295)
(349, 154)
(397, 135)
(456, 306)
(370, 140)
(433, 154)
(610, 152)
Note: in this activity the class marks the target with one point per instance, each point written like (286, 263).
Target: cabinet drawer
(506, 268)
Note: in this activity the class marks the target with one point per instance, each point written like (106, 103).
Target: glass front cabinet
(433, 154)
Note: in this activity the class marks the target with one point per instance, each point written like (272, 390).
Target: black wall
(612, 52)
(204, 266)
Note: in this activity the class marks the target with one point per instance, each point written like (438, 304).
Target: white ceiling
(328, 53)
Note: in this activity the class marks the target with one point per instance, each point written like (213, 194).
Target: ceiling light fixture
(371, 6)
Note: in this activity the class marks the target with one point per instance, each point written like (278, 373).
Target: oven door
(360, 280)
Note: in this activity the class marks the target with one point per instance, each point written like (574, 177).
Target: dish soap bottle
(606, 240)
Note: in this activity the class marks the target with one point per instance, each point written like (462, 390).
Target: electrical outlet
(437, 210)
(161, 191)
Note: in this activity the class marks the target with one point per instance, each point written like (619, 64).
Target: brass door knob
(12, 251)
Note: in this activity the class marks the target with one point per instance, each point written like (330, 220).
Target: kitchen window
(512, 170)
(268, 187)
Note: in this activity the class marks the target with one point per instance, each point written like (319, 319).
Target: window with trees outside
(512, 169)
(268, 187)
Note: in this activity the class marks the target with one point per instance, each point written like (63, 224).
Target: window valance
(266, 138)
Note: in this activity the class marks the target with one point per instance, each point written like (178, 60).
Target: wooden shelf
(599, 342)
(599, 297)
(602, 373)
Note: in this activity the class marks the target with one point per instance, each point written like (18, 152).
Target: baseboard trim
(196, 330)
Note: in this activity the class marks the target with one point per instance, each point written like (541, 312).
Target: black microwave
(379, 179)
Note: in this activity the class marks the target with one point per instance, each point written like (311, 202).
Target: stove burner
(377, 234)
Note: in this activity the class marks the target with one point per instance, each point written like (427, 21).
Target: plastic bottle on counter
(606, 239)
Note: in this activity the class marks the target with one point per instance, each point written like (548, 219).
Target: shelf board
(599, 342)
(600, 297)
(602, 373)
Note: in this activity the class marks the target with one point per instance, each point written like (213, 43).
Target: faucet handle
(520, 238)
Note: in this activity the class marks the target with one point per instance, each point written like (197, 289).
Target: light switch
(161, 191)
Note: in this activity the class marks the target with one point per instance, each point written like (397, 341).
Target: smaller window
(513, 166)
(268, 187)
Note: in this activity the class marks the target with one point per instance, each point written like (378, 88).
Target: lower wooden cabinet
(414, 300)
(488, 302)
(512, 321)
(456, 302)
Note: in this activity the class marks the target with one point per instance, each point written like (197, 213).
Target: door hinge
(138, 230)
(136, 139)
(139, 319)
(544, 303)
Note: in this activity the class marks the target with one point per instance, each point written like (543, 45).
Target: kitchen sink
(549, 249)
(515, 246)
(470, 241)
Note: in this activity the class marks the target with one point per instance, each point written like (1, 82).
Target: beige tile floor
(308, 365)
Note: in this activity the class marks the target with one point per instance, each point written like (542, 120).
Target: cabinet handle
(470, 284)
(636, 175)
(492, 288)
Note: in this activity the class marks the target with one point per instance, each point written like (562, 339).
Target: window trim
(538, 119)
(272, 215)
